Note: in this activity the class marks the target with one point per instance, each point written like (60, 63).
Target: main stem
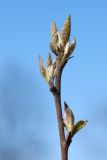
(57, 97)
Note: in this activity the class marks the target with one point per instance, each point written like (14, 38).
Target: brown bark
(57, 98)
(65, 152)
(63, 144)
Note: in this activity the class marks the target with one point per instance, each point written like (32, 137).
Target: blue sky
(28, 126)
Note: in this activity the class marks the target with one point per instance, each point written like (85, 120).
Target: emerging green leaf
(79, 125)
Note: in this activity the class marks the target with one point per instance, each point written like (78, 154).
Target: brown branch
(57, 97)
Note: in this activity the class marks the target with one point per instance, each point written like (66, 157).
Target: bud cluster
(72, 128)
(49, 72)
(61, 47)
(60, 44)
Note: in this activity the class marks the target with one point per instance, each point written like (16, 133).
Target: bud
(68, 119)
(50, 72)
(66, 30)
(49, 61)
(54, 50)
(53, 29)
(50, 69)
(60, 42)
(56, 39)
(42, 69)
(66, 51)
(72, 47)
(69, 48)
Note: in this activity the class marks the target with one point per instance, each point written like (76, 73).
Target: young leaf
(79, 125)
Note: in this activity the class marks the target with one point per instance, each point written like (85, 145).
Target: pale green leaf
(79, 125)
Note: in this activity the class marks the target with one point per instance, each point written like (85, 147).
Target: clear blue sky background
(28, 126)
